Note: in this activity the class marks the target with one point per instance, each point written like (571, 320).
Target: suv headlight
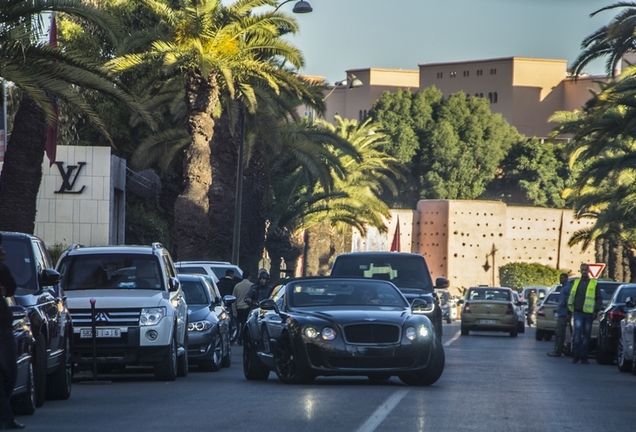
(152, 316)
(199, 325)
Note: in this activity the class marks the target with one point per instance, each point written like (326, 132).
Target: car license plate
(488, 321)
(101, 333)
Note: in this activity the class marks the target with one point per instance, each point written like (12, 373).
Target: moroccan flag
(395, 245)
(51, 130)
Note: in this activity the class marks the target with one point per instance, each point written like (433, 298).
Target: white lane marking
(383, 410)
(453, 339)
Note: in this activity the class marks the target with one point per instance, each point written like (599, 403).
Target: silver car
(626, 360)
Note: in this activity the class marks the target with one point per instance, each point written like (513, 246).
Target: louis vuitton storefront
(82, 198)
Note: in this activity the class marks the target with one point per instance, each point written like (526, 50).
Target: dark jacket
(6, 280)
(226, 285)
(258, 293)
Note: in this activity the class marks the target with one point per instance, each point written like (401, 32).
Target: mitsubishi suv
(128, 301)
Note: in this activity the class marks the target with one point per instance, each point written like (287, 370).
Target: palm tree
(217, 49)
(40, 72)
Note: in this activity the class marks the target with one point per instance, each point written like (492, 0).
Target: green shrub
(56, 250)
(517, 275)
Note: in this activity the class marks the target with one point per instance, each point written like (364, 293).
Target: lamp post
(352, 82)
(300, 7)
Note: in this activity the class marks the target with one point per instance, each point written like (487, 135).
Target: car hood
(198, 312)
(115, 298)
(353, 316)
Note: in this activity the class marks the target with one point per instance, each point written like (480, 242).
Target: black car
(23, 399)
(408, 271)
(209, 344)
(341, 326)
(39, 292)
(609, 327)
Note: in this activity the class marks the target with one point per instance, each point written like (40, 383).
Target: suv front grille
(372, 333)
(106, 318)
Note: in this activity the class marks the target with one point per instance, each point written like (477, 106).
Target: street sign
(595, 269)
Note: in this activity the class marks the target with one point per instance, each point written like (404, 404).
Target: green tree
(215, 49)
(455, 145)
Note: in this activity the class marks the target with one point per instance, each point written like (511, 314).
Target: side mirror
(174, 284)
(441, 282)
(229, 300)
(49, 277)
(268, 305)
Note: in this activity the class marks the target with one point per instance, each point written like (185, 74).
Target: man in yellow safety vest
(584, 303)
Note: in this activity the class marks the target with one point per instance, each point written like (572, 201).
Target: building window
(466, 73)
(453, 74)
(440, 75)
(493, 71)
(480, 72)
(490, 97)
(481, 95)
(494, 97)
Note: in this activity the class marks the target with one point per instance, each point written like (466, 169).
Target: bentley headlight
(151, 316)
(411, 334)
(328, 333)
(424, 331)
(311, 332)
(199, 325)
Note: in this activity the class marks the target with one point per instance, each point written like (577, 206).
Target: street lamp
(352, 81)
(300, 7)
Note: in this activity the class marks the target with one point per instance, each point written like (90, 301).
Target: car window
(624, 293)
(320, 293)
(20, 259)
(607, 289)
(110, 271)
(195, 292)
(493, 294)
(189, 269)
(552, 299)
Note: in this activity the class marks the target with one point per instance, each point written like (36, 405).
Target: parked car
(341, 326)
(141, 315)
(23, 400)
(489, 309)
(209, 344)
(212, 268)
(519, 309)
(547, 317)
(541, 292)
(609, 323)
(408, 271)
(40, 294)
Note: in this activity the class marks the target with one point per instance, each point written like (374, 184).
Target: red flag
(51, 130)
(395, 245)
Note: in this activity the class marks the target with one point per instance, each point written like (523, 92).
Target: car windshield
(405, 271)
(109, 271)
(195, 292)
(321, 293)
(624, 293)
(552, 299)
(19, 261)
(491, 294)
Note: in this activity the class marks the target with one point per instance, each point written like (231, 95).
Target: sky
(401, 34)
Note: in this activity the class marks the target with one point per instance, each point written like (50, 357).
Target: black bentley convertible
(341, 326)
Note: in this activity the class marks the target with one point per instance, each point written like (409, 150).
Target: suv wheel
(167, 369)
(58, 385)
(39, 371)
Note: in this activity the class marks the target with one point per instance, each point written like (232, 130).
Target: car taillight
(467, 308)
(541, 311)
(616, 315)
(510, 310)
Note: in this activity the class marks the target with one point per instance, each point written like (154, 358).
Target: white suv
(140, 313)
(216, 269)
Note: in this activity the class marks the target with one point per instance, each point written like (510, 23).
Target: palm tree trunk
(192, 228)
(22, 170)
(614, 261)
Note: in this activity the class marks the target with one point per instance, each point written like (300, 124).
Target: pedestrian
(584, 302)
(240, 308)
(259, 291)
(532, 305)
(226, 284)
(563, 316)
(8, 347)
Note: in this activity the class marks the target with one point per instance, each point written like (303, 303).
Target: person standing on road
(584, 302)
(226, 284)
(8, 348)
(259, 291)
(532, 305)
(240, 308)
(563, 316)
